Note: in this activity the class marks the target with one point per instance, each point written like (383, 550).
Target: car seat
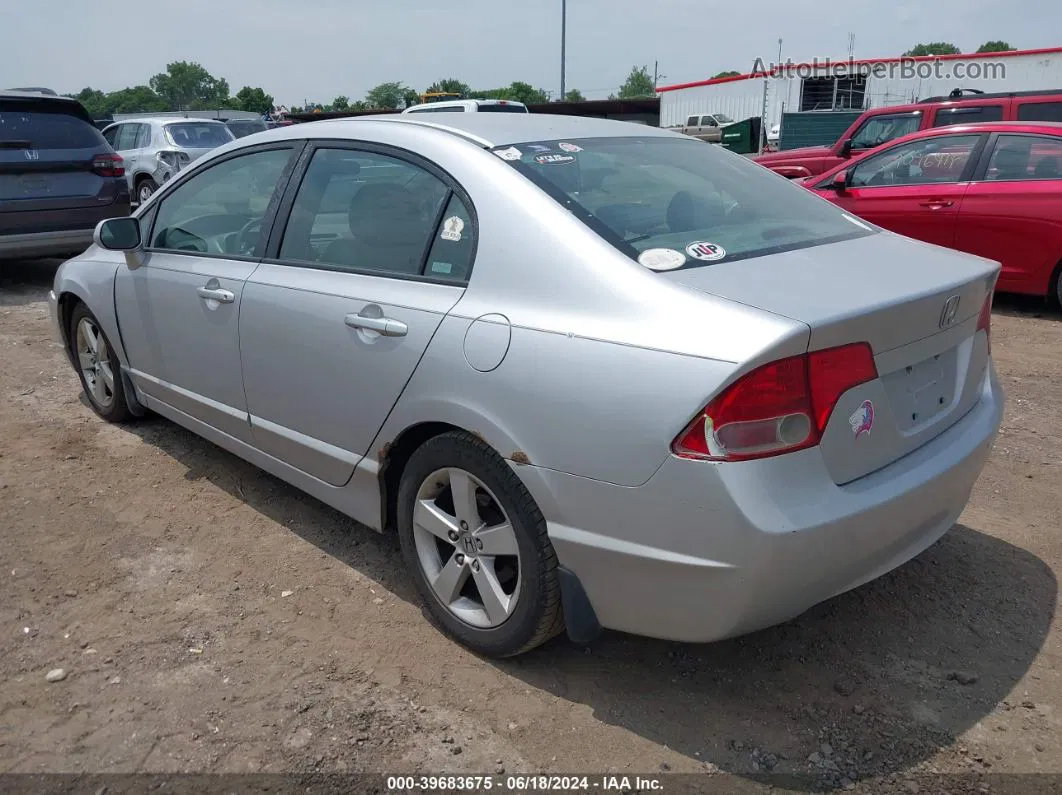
(389, 233)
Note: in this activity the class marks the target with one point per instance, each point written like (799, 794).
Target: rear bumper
(703, 552)
(45, 244)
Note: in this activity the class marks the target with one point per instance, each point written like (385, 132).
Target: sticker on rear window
(662, 259)
(553, 160)
(566, 147)
(441, 267)
(452, 228)
(707, 252)
(512, 153)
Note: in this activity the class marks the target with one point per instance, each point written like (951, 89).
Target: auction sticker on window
(566, 147)
(707, 252)
(553, 160)
(512, 153)
(452, 229)
(662, 259)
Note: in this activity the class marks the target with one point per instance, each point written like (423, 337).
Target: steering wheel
(245, 244)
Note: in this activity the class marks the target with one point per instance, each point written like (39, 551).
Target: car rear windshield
(494, 108)
(243, 128)
(199, 135)
(671, 197)
(45, 129)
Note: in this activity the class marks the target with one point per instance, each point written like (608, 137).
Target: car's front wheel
(98, 367)
(476, 544)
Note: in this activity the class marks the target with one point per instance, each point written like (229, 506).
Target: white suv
(470, 106)
(154, 149)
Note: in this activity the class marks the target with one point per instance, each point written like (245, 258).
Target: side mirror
(118, 234)
(840, 181)
(846, 148)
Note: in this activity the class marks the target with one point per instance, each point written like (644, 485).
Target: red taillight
(109, 165)
(780, 407)
(984, 321)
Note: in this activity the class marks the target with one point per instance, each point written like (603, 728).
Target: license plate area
(35, 185)
(923, 392)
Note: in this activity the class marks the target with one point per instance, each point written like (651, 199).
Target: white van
(470, 106)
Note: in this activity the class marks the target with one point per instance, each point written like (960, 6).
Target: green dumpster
(742, 137)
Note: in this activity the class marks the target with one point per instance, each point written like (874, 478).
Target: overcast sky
(318, 49)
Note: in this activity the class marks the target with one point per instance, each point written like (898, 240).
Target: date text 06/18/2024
(522, 783)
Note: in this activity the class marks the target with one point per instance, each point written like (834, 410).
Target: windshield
(26, 129)
(722, 118)
(198, 135)
(671, 203)
(242, 128)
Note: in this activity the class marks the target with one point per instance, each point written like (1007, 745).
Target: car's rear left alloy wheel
(477, 546)
(145, 189)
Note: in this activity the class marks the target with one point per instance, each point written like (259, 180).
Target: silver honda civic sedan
(593, 374)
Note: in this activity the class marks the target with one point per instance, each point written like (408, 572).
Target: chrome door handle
(936, 204)
(384, 325)
(214, 294)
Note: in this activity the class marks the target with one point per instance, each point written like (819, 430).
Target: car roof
(68, 104)
(496, 129)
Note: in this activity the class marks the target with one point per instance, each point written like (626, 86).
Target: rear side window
(364, 211)
(1022, 157)
(679, 203)
(22, 128)
(1040, 111)
(879, 130)
(969, 115)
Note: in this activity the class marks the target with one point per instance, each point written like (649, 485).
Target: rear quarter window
(46, 129)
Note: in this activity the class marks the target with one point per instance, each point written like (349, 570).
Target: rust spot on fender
(520, 457)
(385, 450)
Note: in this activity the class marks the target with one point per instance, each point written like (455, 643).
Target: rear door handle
(215, 294)
(384, 325)
(936, 203)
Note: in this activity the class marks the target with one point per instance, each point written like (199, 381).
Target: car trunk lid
(916, 305)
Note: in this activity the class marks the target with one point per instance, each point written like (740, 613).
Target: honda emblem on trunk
(31, 154)
(951, 309)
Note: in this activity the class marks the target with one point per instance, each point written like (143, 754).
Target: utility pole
(564, 36)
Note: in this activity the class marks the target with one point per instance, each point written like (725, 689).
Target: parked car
(992, 189)
(58, 176)
(469, 106)
(592, 374)
(156, 149)
(706, 126)
(881, 125)
(244, 127)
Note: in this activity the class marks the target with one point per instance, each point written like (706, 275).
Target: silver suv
(154, 149)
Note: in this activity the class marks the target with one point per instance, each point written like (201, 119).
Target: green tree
(995, 46)
(517, 92)
(575, 95)
(727, 73)
(450, 85)
(639, 83)
(388, 96)
(933, 48)
(187, 85)
(93, 100)
(138, 99)
(254, 100)
(340, 103)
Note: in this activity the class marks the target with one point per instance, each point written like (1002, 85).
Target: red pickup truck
(881, 125)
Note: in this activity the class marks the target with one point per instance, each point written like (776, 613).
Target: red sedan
(991, 189)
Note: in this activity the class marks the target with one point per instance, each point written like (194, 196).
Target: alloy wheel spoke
(495, 601)
(463, 489)
(86, 360)
(450, 580)
(429, 516)
(107, 376)
(498, 540)
(99, 391)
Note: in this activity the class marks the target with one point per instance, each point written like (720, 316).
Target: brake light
(780, 407)
(108, 165)
(984, 321)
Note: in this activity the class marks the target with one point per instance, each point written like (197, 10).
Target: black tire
(537, 616)
(117, 410)
(145, 184)
(1058, 286)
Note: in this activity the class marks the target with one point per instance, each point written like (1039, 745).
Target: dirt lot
(211, 618)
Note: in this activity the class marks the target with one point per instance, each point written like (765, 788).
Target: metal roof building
(859, 84)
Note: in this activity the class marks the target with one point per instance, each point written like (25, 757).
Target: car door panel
(924, 212)
(1013, 212)
(319, 389)
(183, 348)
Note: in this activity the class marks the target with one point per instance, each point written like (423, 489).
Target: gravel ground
(209, 618)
